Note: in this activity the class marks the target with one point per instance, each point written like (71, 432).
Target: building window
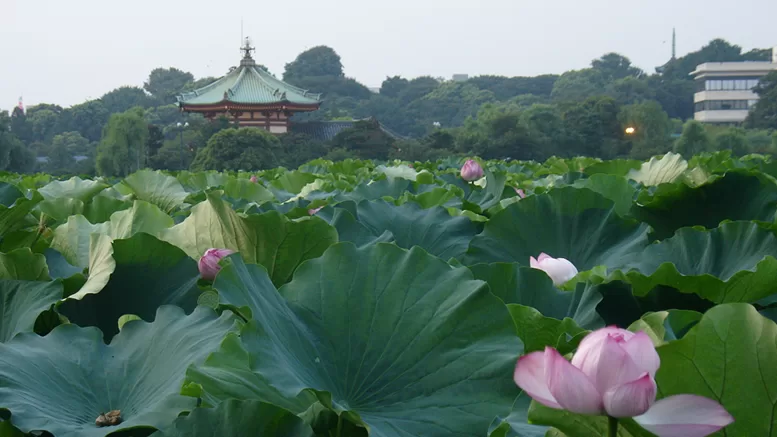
(724, 105)
(730, 84)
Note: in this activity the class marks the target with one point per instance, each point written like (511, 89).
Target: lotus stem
(612, 427)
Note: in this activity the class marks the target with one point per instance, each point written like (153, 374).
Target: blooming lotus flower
(471, 171)
(314, 210)
(560, 270)
(209, 262)
(253, 178)
(613, 373)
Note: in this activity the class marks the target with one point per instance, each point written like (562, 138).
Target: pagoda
(250, 96)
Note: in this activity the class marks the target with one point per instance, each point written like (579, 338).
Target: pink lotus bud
(253, 178)
(315, 210)
(471, 171)
(560, 270)
(209, 262)
(612, 373)
(520, 193)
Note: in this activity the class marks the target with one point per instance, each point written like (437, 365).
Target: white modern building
(725, 89)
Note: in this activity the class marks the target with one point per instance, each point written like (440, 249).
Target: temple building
(250, 96)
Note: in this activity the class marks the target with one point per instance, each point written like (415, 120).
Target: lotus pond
(393, 300)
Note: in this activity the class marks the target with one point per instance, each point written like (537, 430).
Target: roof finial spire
(247, 49)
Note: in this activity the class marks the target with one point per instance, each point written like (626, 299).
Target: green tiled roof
(249, 84)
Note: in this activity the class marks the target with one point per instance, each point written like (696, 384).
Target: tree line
(580, 112)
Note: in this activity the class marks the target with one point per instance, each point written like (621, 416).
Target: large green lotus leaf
(76, 377)
(269, 239)
(24, 265)
(616, 188)
(617, 167)
(202, 180)
(245, 189)
(394, 188)
(293, 181)
(433, 229)
(351, 230)
(516, 284)
(573, 223)
(732, 263)
(578, 425)
(101, 208)
(157, 188)
(9, 193)
(149, 273)
(397, 340)
(234, 418)
(738, 195)
(100, 266)
(666, 326)
(21, 302)
(75, 188)
(60, 208)
(16, 216)
(516, 424)
(668, 168)
(730, 356)
(72, 239)
(8, 430)
(491, 194)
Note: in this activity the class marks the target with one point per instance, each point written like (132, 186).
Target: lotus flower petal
(530, 377)
(610, 368)
(471, 171)
(631, 399)
(569, 385)
(642, 351)
(560, 270)
(685, 416)
(592, 343)
(209, 262)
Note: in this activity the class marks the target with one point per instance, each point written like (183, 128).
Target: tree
(733, 139)
(448, 104)
(630, 90)
(121, 149)
(594, 127)
(505, 88)
(365, 140)
(651, 129)
(87, 118)
(693, 140)
(614, 66)
(154, 141)
(764, 115)
(165, 83)
(317, 61)
(578, 85)
(300, 148)
(717, 50)
(233, 149)
(124, 98)
(417, 88)
(20, 125)
(44, 123)
(21, 159)
(72, 142)
(392, 86)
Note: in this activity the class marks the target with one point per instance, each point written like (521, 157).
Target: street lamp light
(630, 130)
(181, 127)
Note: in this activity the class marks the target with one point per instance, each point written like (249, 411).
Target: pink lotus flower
(613, 373)
(520, 193)
(560, 270)
(471, 171)
(209, 262)
(315, 210)
(253, 178)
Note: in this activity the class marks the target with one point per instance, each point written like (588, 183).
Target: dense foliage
(578, 112)
(387, 299)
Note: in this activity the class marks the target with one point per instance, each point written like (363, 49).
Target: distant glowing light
(630, 130)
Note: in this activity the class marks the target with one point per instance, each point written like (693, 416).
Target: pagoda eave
(227, 106)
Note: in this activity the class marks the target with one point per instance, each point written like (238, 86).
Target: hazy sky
(67, 51)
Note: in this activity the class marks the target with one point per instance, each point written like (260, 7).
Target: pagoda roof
(248, 85)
